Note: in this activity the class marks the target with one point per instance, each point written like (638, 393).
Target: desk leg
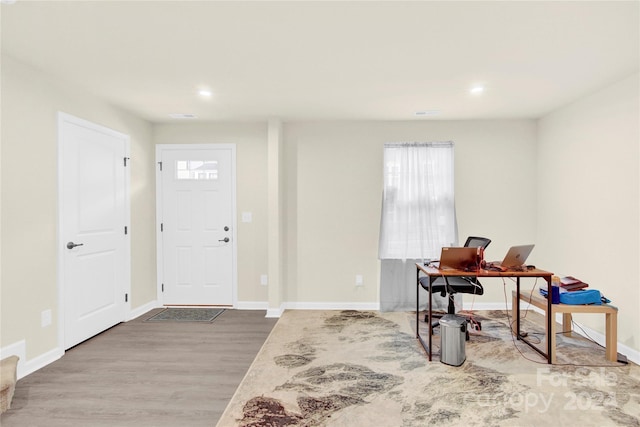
(551, 334)
(611, 336)
(567, 324)
(417, 303)
(514, 303)
(551, 340)
(549, 327)
(517, 308)
(431, 318)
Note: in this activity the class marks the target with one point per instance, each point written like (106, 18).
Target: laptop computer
(460, 258)
(515, 257)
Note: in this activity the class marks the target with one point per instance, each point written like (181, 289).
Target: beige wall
(30, 103)
(512, 185)
(334, 190)
(251, 172)
(588, 186)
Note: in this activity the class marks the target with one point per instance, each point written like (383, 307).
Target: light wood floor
(144, 374)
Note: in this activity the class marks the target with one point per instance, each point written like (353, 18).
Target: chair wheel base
(476, 326)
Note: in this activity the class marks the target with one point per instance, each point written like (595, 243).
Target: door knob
(226, 228)
(72, 245)
(226, 239)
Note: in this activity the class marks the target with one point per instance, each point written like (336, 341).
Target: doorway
(196, 215)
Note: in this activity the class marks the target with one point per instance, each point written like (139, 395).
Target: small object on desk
(555, 294)
(570, 283)
(492, 266)
(580, 297)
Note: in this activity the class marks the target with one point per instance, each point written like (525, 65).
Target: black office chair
(455, 285)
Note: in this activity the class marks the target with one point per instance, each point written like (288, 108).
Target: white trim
(275, 313)
(16, 349)
(127, 222)
(375, 306)
(632, 355)
(234, 227)
(139, 311)
(252, 305)
(159, 257)
(64, 117)
(26, 367)
(41, 361)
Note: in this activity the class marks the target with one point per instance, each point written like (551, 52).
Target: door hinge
(163, 287)
(161, 227)
(125, 230)
(126, 297)
(160, 164)
(125, 161)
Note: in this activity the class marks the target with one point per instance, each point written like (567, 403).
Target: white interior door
(197, 221)
(93, 239)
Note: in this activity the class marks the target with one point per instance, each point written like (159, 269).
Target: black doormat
(186, 315)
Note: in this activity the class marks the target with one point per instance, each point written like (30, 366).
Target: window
(418, 209)
(196, 169)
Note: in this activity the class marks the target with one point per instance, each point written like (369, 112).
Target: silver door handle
(226, 239)
(72, 245)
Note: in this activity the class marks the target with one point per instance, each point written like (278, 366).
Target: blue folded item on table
(580, 297)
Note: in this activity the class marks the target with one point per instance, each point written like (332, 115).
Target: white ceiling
(355, 60)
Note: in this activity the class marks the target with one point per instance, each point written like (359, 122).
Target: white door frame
(64, 117)
(159, 250)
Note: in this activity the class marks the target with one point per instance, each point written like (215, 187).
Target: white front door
(197, 211)
(94, 262)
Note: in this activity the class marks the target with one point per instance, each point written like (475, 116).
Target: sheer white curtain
(418, 215)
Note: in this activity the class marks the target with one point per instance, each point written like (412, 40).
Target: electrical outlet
(264, 280)
(358, 279)
(45, 318)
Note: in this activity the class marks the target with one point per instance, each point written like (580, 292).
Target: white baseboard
(16, 349)
(139, 311)
(631, 354)
(275, 313)
(252, 305)
(332, 306)
(41, 361)
(25, 367)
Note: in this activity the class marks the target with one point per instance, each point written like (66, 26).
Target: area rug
(364, 368)
(186, 315)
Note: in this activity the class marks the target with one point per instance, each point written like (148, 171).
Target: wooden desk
(434, 273)
(611, 320)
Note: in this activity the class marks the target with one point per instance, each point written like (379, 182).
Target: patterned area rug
(186, 315)
(359, 368)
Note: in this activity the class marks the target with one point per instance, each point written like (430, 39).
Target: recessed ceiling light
(182, 116)
(205, 92)
(427, 113)
(477, 90)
